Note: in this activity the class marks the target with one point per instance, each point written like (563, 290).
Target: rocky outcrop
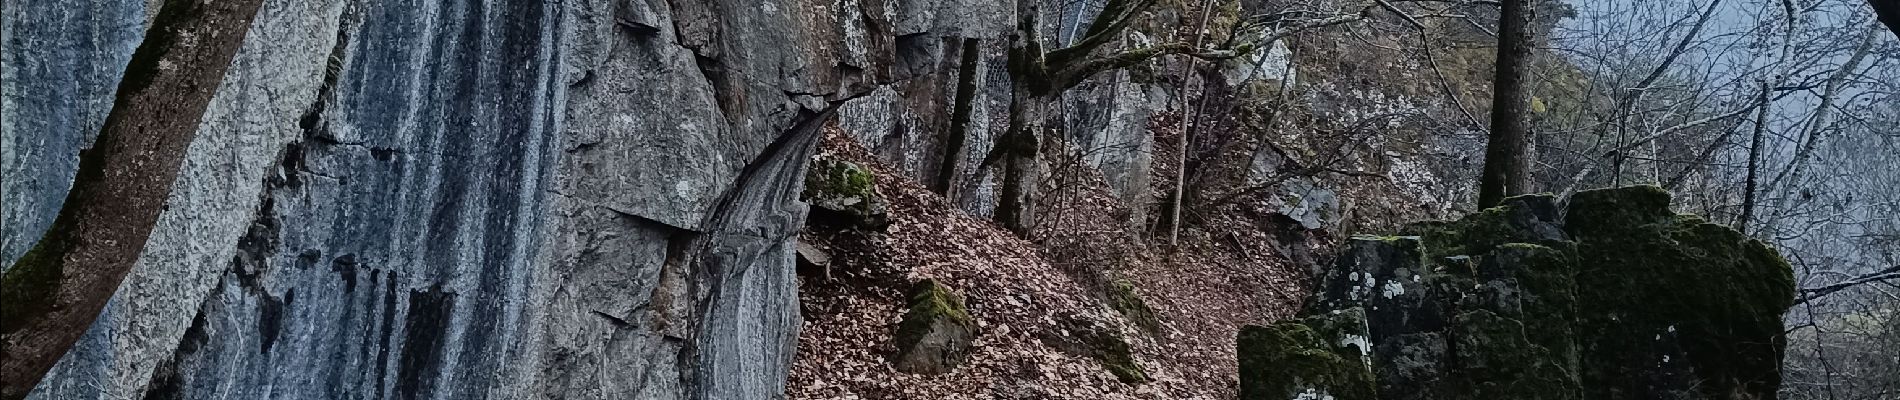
(421, 199)
(1619, 298)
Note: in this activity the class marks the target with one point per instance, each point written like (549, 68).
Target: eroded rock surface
(462, 199)
(1617, 298)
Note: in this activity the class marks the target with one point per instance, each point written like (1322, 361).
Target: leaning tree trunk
(1821, 122)
(1754, 160)
(53, 293)
(1507, 153)
(1015, 209)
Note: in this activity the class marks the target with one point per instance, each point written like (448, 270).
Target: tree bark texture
(1506, 156)
(1015, 208)
(1754, 160)
(52, 294)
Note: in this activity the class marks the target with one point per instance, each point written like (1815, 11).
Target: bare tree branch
(1891, 273)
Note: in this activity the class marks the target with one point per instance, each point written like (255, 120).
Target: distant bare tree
(1039, 74)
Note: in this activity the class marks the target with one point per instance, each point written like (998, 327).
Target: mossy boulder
(1617, 298)
(1652, 277)
(936, 332)
(1531, 218)
(1292, 360)
(843, 193)
(1498, 357)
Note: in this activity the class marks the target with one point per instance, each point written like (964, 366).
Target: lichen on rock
(1290, 360)
(936, 332)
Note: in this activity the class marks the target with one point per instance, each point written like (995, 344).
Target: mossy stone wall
(1615, 298)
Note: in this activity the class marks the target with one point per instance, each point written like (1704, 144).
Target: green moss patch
(28, 287)
(1716, 292)
(1117, 358)
(928, 302)
(842, 192)
(838, 178)
(1289, 359)
(1123, 297)
(1522, 219)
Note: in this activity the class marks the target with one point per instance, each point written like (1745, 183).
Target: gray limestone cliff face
(1105, 121)
(66, 57)
(462, 199)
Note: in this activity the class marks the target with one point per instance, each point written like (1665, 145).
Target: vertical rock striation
(463, 199)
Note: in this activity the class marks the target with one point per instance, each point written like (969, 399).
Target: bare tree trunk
(1822, 120)
(959, 120)
(1754, 160)
(1175, 202)
(53, 293)
(1506, 157)
(1037, 77)
(1017, 148)
(1022, 170)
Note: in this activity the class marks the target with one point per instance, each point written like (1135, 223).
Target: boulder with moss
(1616, 298)
(843, 194)
(1668, 294)
(1320, 357)
(936, 332)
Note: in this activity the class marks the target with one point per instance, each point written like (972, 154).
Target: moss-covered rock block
(936, 332)
(843, 193)
(1384, 276)
(1531, 218)
(1097, 339)
(1616, 298)
(1292, 360)
(1650, 277)
(1498, 358)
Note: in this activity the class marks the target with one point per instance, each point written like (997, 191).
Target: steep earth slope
(1045, 319)
(463, 199)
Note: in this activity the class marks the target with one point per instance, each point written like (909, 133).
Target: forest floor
(1033, 301)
